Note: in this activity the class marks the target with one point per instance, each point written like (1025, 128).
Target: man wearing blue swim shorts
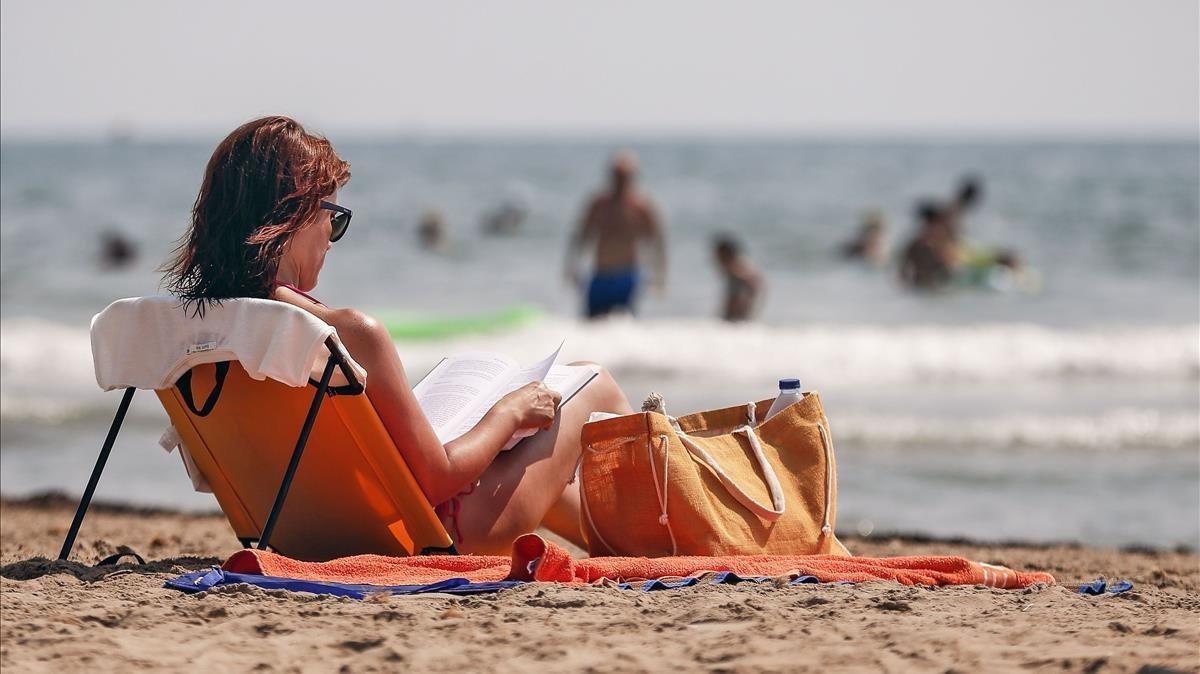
(619, 221)
(611, 291)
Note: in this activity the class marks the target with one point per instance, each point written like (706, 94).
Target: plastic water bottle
(789, 392)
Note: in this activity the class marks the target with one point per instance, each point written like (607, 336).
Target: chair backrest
(352, 493)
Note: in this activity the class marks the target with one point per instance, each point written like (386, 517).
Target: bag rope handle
(583, 502)
(662, 493)
(778, 505)
(826, 527)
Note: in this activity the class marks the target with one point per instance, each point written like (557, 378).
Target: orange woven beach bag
(711, 483)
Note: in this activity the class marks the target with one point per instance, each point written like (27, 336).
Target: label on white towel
(201, 347)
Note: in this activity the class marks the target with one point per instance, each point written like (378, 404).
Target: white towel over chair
(149, 342)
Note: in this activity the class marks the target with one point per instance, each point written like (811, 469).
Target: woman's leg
(521, 486)
(563, 516)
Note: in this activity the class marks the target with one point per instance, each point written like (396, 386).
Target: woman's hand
(531, 406)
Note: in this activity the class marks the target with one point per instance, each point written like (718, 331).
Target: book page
(568, 379)
(516, 380)
(459, 386)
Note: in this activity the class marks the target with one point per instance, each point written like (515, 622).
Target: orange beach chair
(313, 478)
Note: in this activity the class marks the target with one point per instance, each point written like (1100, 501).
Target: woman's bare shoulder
(345, 319)
(349, 318)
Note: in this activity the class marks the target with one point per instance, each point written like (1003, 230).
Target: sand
(67, 617)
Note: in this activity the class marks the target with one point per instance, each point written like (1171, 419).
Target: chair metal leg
(295, 462)
(91, 485)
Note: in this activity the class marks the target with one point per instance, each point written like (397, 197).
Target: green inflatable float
(407, 326)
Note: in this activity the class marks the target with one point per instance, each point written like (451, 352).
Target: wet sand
(71, 617)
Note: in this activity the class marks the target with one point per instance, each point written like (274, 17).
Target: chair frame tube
(294, 463)
(86, 500)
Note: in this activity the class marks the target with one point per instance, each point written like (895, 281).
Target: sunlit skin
(932, 256)
(518, 490)
(746, 282)
(617, 221)
(305, 253)
(869, 244)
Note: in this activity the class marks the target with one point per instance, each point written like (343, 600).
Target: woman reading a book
(266, 216)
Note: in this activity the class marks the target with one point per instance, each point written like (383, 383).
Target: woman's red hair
(263, 183)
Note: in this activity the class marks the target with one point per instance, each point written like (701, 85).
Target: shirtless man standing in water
(618, 220)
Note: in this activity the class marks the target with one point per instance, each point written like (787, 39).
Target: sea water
(1066, 415)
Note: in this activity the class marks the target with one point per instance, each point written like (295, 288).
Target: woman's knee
(603, 376)
(607, 394)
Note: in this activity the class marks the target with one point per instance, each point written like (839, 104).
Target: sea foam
(47, 373)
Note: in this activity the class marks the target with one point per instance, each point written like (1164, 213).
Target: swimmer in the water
(431, 231)
(743, 281)
(930, 259)
(970, 193)
(117, 250)
(508, 217)
(869, 244)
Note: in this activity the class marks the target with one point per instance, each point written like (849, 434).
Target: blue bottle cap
(789, 384)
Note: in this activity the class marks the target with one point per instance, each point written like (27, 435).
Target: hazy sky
(1039, 66)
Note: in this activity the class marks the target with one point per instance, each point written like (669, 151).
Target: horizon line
(132, 133)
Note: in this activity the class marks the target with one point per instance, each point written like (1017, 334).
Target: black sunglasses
(340, 219)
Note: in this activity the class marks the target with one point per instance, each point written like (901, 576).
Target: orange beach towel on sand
(536, 559)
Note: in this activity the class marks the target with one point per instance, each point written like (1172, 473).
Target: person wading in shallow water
(743, 281)
(617, 221)
(929, 260)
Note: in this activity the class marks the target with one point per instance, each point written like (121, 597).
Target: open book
(462, 388)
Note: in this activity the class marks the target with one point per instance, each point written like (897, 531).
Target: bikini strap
(299, 292)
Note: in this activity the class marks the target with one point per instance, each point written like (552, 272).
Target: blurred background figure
(1005, 272)
(999, 269)
(507, 218)
(432, 230)
(970, 192)
(929, 260)
(117, 251)
(743, 281)
(618, 222)
(869, 244)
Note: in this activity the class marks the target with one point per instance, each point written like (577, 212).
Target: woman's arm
(442, 471)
